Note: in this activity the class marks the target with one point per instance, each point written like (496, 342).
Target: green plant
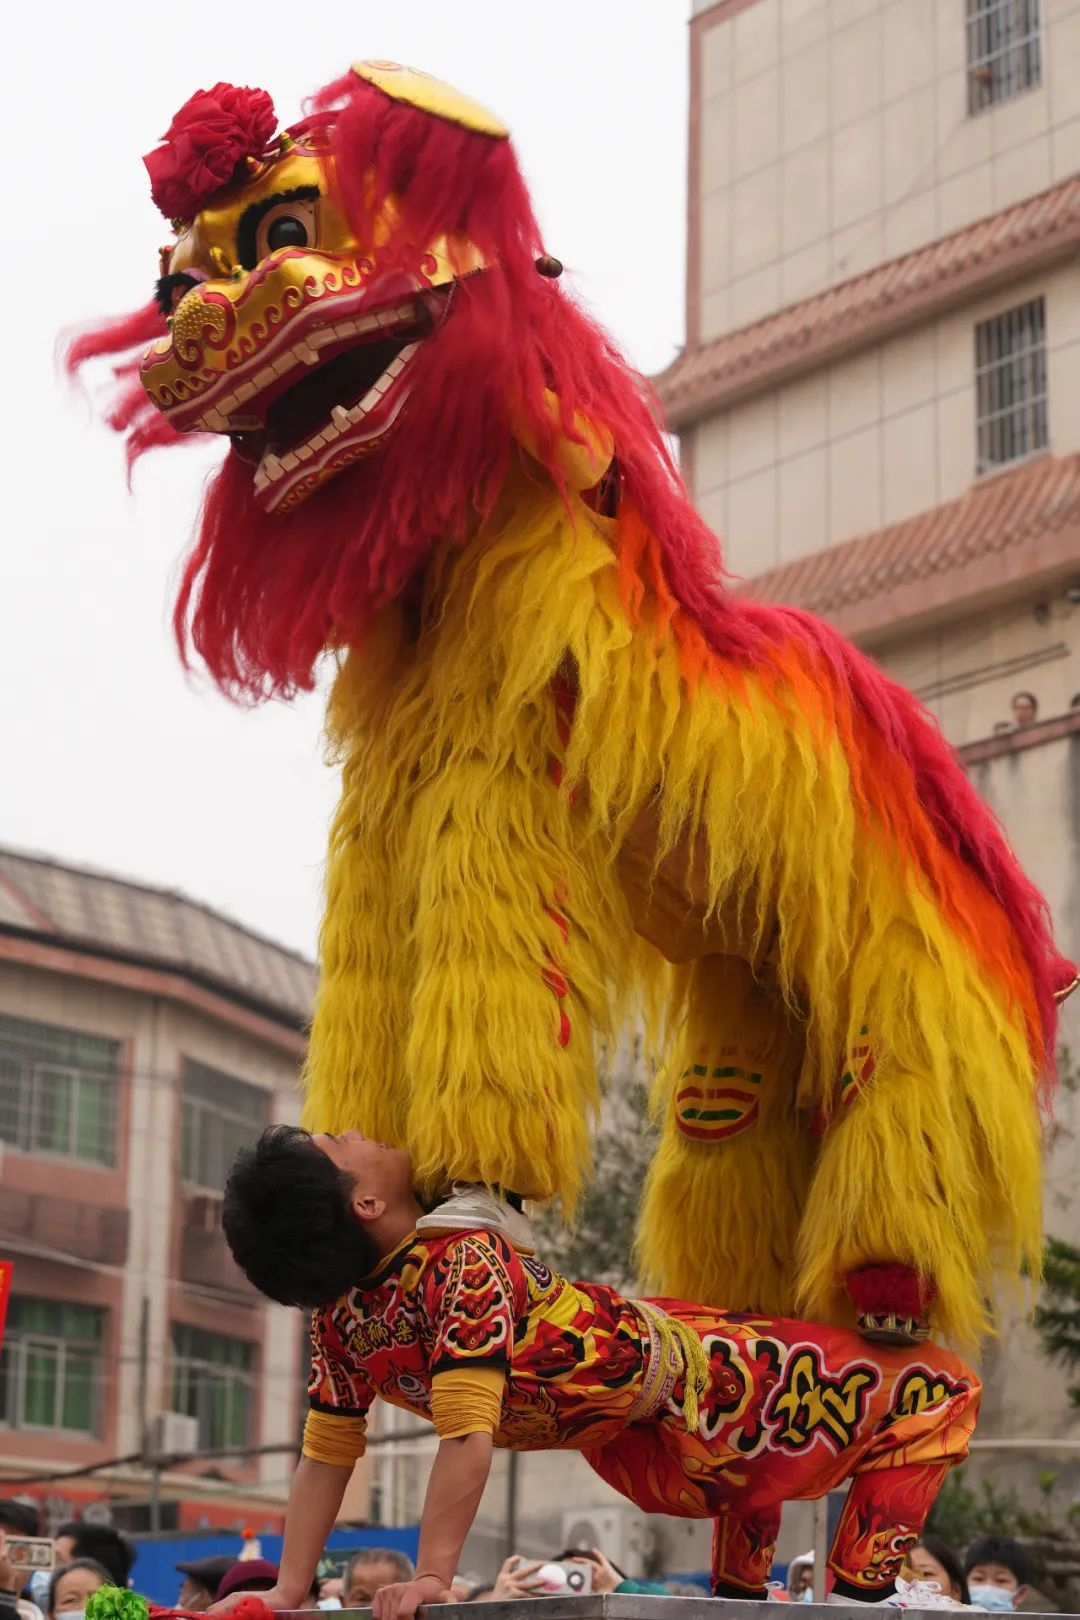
(599, 1246)
(1049, 1530)
(1057, 1318)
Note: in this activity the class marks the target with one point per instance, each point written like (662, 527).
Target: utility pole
(143, 1406)
(149, 1461)
(512, 1461)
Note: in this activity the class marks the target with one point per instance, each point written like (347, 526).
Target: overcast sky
(110, 756)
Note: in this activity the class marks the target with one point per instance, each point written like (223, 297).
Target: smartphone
(30, 1552)
(578, 1577)
(554, 1577)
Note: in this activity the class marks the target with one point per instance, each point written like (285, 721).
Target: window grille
(1004, 54)
(213, 1380)
(1010, 386)
(59, 1091)
(218, 1116)
(52, 1366)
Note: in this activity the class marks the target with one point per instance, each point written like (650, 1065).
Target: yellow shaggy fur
(455, 856)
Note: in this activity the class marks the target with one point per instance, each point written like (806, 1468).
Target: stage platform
(628, 1606)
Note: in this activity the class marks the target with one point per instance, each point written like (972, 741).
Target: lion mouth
(334, 408)
(338, 385)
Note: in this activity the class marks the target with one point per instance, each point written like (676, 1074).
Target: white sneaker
(908, 1595)
(472, 1207)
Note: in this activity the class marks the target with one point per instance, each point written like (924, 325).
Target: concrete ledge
(629, 1606)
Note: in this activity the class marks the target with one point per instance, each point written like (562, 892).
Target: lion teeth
(272, 468)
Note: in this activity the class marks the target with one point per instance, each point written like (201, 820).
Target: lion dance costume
(581, 777)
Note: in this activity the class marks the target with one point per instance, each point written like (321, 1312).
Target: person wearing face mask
(72, 1584)
(934, 1560)
(998, 1571)
(800, 1579)
(202, 1577)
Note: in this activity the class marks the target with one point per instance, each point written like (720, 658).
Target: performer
(583, 781)
(682, 1408)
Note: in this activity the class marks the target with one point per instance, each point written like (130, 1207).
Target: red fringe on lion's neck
(263, 596)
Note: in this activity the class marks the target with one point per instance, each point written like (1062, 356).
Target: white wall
(835, 135)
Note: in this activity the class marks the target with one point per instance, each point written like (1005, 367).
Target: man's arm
(456, 1484)
(314, 1504)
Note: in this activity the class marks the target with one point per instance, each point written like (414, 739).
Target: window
(1003, 53)
(1010, 385)
(52, 1366)
(219, 1116)
(59, 1091)
(213, 1380)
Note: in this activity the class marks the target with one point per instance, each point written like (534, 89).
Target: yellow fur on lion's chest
(464, 885)
(453, 857)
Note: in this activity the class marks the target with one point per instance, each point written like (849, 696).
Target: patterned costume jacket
(572, 1354)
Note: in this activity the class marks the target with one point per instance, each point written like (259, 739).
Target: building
(143, 1038)
(879, 398)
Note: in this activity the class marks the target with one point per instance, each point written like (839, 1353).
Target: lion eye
(284, 220)
(286, 231)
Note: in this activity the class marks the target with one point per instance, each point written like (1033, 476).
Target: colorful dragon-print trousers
(795, 1410)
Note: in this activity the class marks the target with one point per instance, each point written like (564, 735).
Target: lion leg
(725, 1192)
(904, 1216)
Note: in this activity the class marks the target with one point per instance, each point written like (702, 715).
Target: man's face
(63, 1549)
(378, 1171)
(194, 1596)
(999, 1576)
(366, 1578)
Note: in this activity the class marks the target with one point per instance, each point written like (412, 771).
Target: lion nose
(196, 322)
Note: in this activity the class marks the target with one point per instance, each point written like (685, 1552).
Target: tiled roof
(997, 517)
(97, 911)
(998, 248)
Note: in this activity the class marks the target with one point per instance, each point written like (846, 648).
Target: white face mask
(69, 1614)
(998, 1598)
(40, 1581)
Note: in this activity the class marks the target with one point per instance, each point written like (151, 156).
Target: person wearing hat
(202, 1577)
(258, 1575)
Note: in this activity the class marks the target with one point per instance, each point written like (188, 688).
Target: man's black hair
(399, 1562)
(569, 1553)
(20, 1518)
(289, 1224)
(103, 1545)
(999, 1550)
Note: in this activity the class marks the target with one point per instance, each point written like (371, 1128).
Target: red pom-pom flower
(882, 1290)
(211, 135)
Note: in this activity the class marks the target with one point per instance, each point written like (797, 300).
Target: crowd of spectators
(993, 1574)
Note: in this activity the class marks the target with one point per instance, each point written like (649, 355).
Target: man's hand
(274, 1599)
(605, 1577)
(400, 1601)
(12, 1575)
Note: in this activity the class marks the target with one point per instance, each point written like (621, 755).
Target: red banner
(6, 1268)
